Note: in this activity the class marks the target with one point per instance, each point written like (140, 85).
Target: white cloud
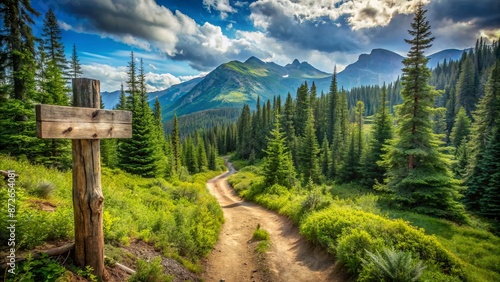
(184, 78)
(156, 82)
(360, 13)
(153, 66)
(64, 25)
(111, 77)
(222, 6)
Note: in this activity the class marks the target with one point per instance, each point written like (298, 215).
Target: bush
(150, 272)
(351, 249)
(391, 266)
(329, 227)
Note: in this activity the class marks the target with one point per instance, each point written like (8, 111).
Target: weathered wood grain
(81, 123)
(88, 200)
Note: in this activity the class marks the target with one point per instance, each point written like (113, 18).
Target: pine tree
(301, 109)
(212, 157)
(190, 156)
(466, 92)
(333, 109)
(461, 129)
(309, 152)
(288, 126)
(122, 104)
(325, 156)
(381, 134)
(278, 166)
(245, 145)
(417, 172)
(17, 57)
(74, 65)
(52, 40)
(175, 139)
(201, 154)
(486, 120)
(139, 154)
(490, 200)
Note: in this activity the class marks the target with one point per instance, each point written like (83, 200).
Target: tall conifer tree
(381, 134)
(417, 172)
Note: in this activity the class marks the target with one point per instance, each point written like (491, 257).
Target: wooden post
(88, 199)
(85, 124)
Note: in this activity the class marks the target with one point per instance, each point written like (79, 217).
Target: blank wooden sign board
(85, 124)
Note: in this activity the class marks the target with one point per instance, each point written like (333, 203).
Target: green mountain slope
(235, 83)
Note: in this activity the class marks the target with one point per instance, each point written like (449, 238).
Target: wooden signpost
(85, 124)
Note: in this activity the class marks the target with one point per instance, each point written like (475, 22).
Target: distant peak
(295, 62)
(254, 59)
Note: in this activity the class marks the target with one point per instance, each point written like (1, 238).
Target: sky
(182, 39)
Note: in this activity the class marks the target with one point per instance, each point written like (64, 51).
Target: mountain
(375, 68)
(110, 99)
(439, 57)
(236, 83)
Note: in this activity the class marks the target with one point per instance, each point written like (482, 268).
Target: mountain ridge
(235, 83)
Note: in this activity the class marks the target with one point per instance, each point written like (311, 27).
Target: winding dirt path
(290, 256)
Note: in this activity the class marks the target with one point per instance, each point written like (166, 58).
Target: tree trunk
(88, 200)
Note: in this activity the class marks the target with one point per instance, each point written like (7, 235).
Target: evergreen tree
(485, 121)
(417, 172)
(74, 65)
(466, 90)
(301, 109)
(139, 154)
(245, 145)
(381, 134)
(52, 41)
(333, 109)
(212, 157)
(309, 152)
(18, 42)
(348, 171)
(325, 156)
(490, 200)
(288, 126)
(201, 154)
(461, 129)
(278, 166)
(175, 139)
(190, 156)
(122, 104)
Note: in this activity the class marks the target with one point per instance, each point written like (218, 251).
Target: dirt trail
(290, 257)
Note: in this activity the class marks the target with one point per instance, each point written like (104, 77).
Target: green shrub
(391, 266)
(351, 249)
(150, 272)
(40, 269)
(328, 227)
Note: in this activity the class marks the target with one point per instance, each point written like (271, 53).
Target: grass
(180, 218)
(472, 247)
(262, 236)
(232, 97)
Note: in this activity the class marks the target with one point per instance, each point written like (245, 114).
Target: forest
(395, 179)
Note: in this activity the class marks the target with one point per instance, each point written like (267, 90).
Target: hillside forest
(399, 181)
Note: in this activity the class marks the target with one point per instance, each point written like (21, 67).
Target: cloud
(112, 77)
(156, 82)
(153, 66)
(240, 4)
(154, 28)
(222, 6)
(460, 22)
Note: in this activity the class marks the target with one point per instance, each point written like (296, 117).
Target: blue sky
(182, 39)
